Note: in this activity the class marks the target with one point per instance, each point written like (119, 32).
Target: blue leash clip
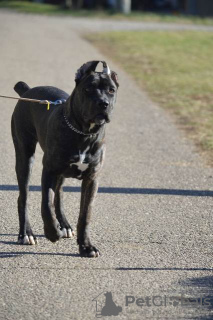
(58, 102)
(55, 103)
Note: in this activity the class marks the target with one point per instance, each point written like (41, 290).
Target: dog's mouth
(100, 119)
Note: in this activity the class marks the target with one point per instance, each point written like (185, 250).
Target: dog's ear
(85, 69)
(114, 77)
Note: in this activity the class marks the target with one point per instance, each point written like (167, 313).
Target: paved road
(152, 220)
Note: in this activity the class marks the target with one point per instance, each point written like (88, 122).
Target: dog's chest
(81, 164)
(83, 161)
(78, 164)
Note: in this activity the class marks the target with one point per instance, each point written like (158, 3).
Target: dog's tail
(21, 87)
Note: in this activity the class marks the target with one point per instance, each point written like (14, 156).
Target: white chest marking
(80, 164)
(91, 126)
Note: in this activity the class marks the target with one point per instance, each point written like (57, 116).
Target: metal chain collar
(76, 130)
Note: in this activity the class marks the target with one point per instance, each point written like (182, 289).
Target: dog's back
(29, 119)
(41, 93)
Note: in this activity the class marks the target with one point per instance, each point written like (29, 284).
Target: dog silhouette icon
(110, 308)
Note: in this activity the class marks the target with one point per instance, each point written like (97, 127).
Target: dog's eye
(111, 90)
(87, 89)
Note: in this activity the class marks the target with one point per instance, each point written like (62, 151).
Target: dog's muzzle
(101, 119)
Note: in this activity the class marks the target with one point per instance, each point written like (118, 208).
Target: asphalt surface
(152, 220)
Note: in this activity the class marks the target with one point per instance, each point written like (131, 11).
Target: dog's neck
(72, 114)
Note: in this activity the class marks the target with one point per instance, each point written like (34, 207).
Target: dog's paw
(89, 251)
(27, 239)
(53, 232)
(67, 233)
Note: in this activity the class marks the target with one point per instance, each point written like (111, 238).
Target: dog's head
(95, 93)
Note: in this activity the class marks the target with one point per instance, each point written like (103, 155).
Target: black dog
(72, 138)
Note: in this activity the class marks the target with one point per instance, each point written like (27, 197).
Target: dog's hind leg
(24, 162)
(59, 210)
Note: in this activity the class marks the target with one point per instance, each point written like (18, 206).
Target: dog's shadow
(202, 289)
(13, 254)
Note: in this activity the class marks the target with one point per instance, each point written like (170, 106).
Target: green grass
(176, 69)
(29, 7)
(48, 9)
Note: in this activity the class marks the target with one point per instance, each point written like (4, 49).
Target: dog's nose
(104, 104)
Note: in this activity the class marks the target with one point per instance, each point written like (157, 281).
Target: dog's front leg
(89, 189)
(51, 225)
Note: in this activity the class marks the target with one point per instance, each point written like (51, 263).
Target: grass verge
(176, 69)
(48, 9)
